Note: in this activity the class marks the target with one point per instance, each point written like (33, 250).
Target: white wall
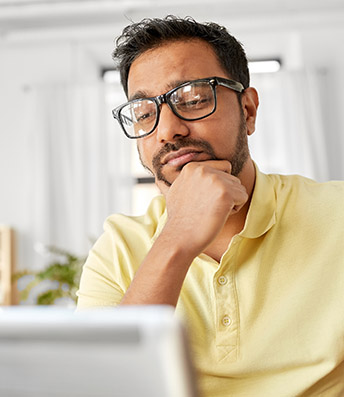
(38, 56)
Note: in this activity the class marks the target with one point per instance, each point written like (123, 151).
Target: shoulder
(144, 225)
(295, 181)
(298, 196)
(302, 188)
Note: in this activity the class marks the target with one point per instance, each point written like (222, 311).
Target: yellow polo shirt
(268, 320)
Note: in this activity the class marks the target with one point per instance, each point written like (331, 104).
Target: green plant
(64, 274)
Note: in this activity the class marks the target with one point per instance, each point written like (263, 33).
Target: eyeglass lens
(190, 102)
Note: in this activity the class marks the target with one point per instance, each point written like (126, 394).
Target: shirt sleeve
(98, 287)
(117, 255)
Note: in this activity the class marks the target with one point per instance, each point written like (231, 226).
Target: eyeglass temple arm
(233, 85)
(122, 116)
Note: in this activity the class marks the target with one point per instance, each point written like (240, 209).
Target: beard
(237, 159)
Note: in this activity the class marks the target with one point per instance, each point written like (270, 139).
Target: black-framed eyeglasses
(190, 101)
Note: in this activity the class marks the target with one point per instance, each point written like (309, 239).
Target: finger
(240, 199)
(221, 165)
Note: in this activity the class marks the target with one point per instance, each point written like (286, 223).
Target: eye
(198, 102)
(143, 111)
(201, 101)
(145, 117)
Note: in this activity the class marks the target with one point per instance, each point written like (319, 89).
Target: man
(252, 262)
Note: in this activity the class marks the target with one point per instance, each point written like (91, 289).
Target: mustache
(183, 143)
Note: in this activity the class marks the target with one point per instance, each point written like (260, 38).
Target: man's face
(175, 142)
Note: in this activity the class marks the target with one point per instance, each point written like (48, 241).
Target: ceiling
(24, 15)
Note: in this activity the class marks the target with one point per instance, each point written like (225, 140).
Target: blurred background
(64, 163)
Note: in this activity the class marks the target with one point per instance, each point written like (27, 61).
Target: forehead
(160, 69)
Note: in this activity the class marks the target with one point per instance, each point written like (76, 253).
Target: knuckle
(189, 167)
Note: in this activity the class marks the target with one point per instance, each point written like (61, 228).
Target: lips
(181, 157)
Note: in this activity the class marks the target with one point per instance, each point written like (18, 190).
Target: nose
(170, 126)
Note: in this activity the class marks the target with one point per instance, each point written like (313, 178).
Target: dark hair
(139, 37)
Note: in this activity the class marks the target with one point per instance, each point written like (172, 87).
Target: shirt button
(226, 321)
(222, 280)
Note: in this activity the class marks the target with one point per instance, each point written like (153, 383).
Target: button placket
(227, 314)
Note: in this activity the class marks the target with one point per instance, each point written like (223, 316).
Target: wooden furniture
(7, 266)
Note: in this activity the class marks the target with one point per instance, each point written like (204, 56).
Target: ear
(250, 103)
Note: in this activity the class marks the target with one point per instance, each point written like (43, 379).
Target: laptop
(131, 351)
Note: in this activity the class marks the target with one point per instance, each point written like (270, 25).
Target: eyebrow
(141, 94)
(138, 95)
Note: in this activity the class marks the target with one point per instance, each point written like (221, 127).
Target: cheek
(224, 137)
(145, 156)
(220, 133)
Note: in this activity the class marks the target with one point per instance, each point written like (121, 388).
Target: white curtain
(80, 166)
(290, 133)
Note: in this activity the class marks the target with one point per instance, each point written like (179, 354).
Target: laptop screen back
(124, 352)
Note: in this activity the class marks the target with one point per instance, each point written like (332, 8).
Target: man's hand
(199, 202)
